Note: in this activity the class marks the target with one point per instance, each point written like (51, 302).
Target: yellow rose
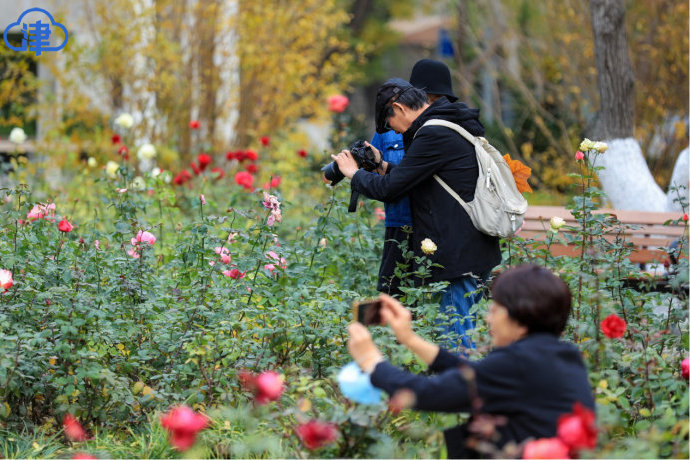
(555, 223)
(428, 246)
(111, 169)
(586, 145)
(601, 147)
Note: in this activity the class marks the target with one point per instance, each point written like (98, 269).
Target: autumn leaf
(521, 173)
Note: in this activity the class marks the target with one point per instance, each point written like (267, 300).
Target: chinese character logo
(36, 35)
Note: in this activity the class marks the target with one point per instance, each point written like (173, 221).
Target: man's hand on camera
(377, 154)
(347, 165)
(398, 318)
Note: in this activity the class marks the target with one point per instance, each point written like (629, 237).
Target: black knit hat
(433, 77)
(392, 89)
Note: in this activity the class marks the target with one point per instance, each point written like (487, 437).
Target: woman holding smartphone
(528, 381)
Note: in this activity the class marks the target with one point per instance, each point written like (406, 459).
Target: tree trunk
(614, 70)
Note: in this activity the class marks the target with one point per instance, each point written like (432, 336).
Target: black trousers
(389, 283)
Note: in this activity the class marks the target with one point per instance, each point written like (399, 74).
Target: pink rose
(269, 387)
(144, 237)
(545, 448)
(6, 280)
(234, 274)
(338, 103)
(579, 156)
(203, 199)
(685, 368)
(73, 429)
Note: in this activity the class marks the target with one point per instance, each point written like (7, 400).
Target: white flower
(17, 135)
(586, 145)
(555, 223)
(146, 165)
(146, 152)
(138, 183)
(155, 172)
(428, 246)
(601, 147)
(125, 120)
(111, 169)
(92, 162)
(167, 176)
(323, 242)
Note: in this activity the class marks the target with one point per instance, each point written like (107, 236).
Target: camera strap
(354, 196)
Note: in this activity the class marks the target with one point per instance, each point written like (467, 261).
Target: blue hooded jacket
(390, 144)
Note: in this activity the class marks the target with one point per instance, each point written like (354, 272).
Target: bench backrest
(650, 238)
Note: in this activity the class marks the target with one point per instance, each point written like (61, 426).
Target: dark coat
(462, 249)
(531, 382)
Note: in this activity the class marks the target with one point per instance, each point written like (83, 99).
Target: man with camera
(466, 255)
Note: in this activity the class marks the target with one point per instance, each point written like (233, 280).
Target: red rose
(685, 368)
(275, 181)
(195, 124)
(183, 424)
(613, 326)
(302, 153)
(577, 429)
(124, 152)
(545, 448)
(73, 429)
(65, 226)
(204, 160)
(244, 179)
(116, 139)
(195, 168)
(315, 434)
(182, 177)
(250, 155)
(234, 274)
(252, 168)
(338, 103)
(229, 156)
(685, 217)
(219, 171)
(265, 140)
(239, 155)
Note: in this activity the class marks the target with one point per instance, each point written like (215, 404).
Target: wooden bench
(651, 238)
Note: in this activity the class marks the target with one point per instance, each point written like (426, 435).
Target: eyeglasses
(390, 106)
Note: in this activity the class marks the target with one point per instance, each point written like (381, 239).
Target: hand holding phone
(367, 312)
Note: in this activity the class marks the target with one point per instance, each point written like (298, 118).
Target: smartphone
(367, 312)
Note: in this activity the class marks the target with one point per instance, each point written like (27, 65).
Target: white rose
(428, 246)
(601, 147)
(167, 176)
(92, 162)
(323, 242)
(146, 152)
(556, 223)
(17, 135)
(111, 169)
(155, 172)
(125, 120)
(586, 145)
(138, 183)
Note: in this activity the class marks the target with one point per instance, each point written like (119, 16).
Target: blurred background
(247, 69)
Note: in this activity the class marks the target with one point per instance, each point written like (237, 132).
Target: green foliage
(115, 340)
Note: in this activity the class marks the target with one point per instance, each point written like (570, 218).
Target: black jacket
(531, 382)
(436, 215)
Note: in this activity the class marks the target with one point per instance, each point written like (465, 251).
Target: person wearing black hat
(465, 254)
(433, 77)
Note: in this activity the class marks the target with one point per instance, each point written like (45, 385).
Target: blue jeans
(456, 300)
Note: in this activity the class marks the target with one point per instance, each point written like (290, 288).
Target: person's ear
(399, 106)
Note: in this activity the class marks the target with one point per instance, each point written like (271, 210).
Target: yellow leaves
(521, 173)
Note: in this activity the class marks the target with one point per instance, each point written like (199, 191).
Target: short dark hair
(534, 297)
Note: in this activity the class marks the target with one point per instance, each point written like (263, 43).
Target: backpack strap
(452, 193)
(464, 133)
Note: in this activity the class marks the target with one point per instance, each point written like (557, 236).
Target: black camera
(363, 155)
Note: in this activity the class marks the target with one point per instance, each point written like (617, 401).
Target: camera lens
(332, 173)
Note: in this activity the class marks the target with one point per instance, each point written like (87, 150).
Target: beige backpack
(498, 208)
